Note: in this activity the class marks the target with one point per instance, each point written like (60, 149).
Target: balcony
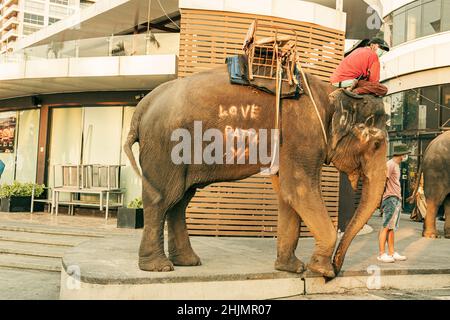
(10, 45)
(12, 22)
(129, 62)
(6, 3)
(11, 11)
(12, 33)
(129, 45)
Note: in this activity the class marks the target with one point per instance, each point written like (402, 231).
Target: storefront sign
(7, 131)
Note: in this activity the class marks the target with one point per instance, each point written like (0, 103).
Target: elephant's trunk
(372, 191)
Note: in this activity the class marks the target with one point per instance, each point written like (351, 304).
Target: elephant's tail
(133, 137)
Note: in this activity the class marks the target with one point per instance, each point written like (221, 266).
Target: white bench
(103, 203)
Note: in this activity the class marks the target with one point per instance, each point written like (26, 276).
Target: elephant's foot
(186, 257)
(433, 234)
(291, 265)
(447, 233)
(322, 265)
(158, 263)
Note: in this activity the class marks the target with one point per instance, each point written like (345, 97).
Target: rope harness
(313, 102)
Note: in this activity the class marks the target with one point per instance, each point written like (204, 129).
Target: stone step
(32, 249)
(36, 228)
(16, 261)
(41, 238)
(21, 284)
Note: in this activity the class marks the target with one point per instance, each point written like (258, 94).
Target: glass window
(445, 23)
(101, 135)
(8, 143)
(59, 11)
(65, 139)
(445, 110)
(128, 178)
(430, 94)
(431, 17)
(52, 20)
(29, 29)
(396, 121)
(410, 121)
(27, 145)
(413, 23)
(33, 18)
(34, 6)
(398, 29)
(64, 2)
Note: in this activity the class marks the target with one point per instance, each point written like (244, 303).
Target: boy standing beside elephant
(392, 206)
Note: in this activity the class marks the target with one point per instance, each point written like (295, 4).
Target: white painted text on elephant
(242, 146)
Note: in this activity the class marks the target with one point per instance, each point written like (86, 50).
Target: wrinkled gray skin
(356, 145)
(436, 183)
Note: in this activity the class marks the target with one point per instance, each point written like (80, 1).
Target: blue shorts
(392, 207)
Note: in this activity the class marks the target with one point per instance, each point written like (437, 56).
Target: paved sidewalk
(47, 238)
(234, 261)
(32, 245)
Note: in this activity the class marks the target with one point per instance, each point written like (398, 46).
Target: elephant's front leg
(287, 235)
(180, 249)
(307, 201)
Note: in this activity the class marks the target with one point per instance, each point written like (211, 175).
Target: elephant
(436, 183)
(355, 143)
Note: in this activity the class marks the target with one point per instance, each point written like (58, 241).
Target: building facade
(69, 99)
(70, 89)
(417, 73)
(19, 18)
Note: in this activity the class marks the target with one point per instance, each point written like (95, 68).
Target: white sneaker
(398, 257)
(385, 258)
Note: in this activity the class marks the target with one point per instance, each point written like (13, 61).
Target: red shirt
(362, 61)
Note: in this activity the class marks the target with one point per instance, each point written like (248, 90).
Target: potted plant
(16, 197)
(132, 216)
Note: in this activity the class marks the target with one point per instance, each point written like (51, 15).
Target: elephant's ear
(343, 117)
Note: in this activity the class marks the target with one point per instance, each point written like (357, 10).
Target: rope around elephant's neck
(313, 102)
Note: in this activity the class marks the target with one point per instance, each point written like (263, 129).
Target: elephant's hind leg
(429, 224)
(180, 249)
(151, 251)
(288, 232)
(447, 217)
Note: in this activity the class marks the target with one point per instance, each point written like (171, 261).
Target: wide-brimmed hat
(401, 149)
(383, 45)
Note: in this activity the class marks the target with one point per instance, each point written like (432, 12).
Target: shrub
(19, 189)
(136, 204)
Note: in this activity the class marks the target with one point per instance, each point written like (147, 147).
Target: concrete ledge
(242, 268)
(345, 284)
(195, 290)
(107, 269)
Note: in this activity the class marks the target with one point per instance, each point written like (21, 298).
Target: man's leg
(382, 237)
(390, 240)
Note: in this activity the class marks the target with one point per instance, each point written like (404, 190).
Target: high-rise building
(19, 18)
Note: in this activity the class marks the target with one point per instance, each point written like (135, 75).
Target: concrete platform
(242, 268)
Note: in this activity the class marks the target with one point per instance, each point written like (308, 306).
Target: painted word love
(244, 112)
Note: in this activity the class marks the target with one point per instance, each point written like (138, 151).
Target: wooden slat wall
(249, 207)
(208, 37)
